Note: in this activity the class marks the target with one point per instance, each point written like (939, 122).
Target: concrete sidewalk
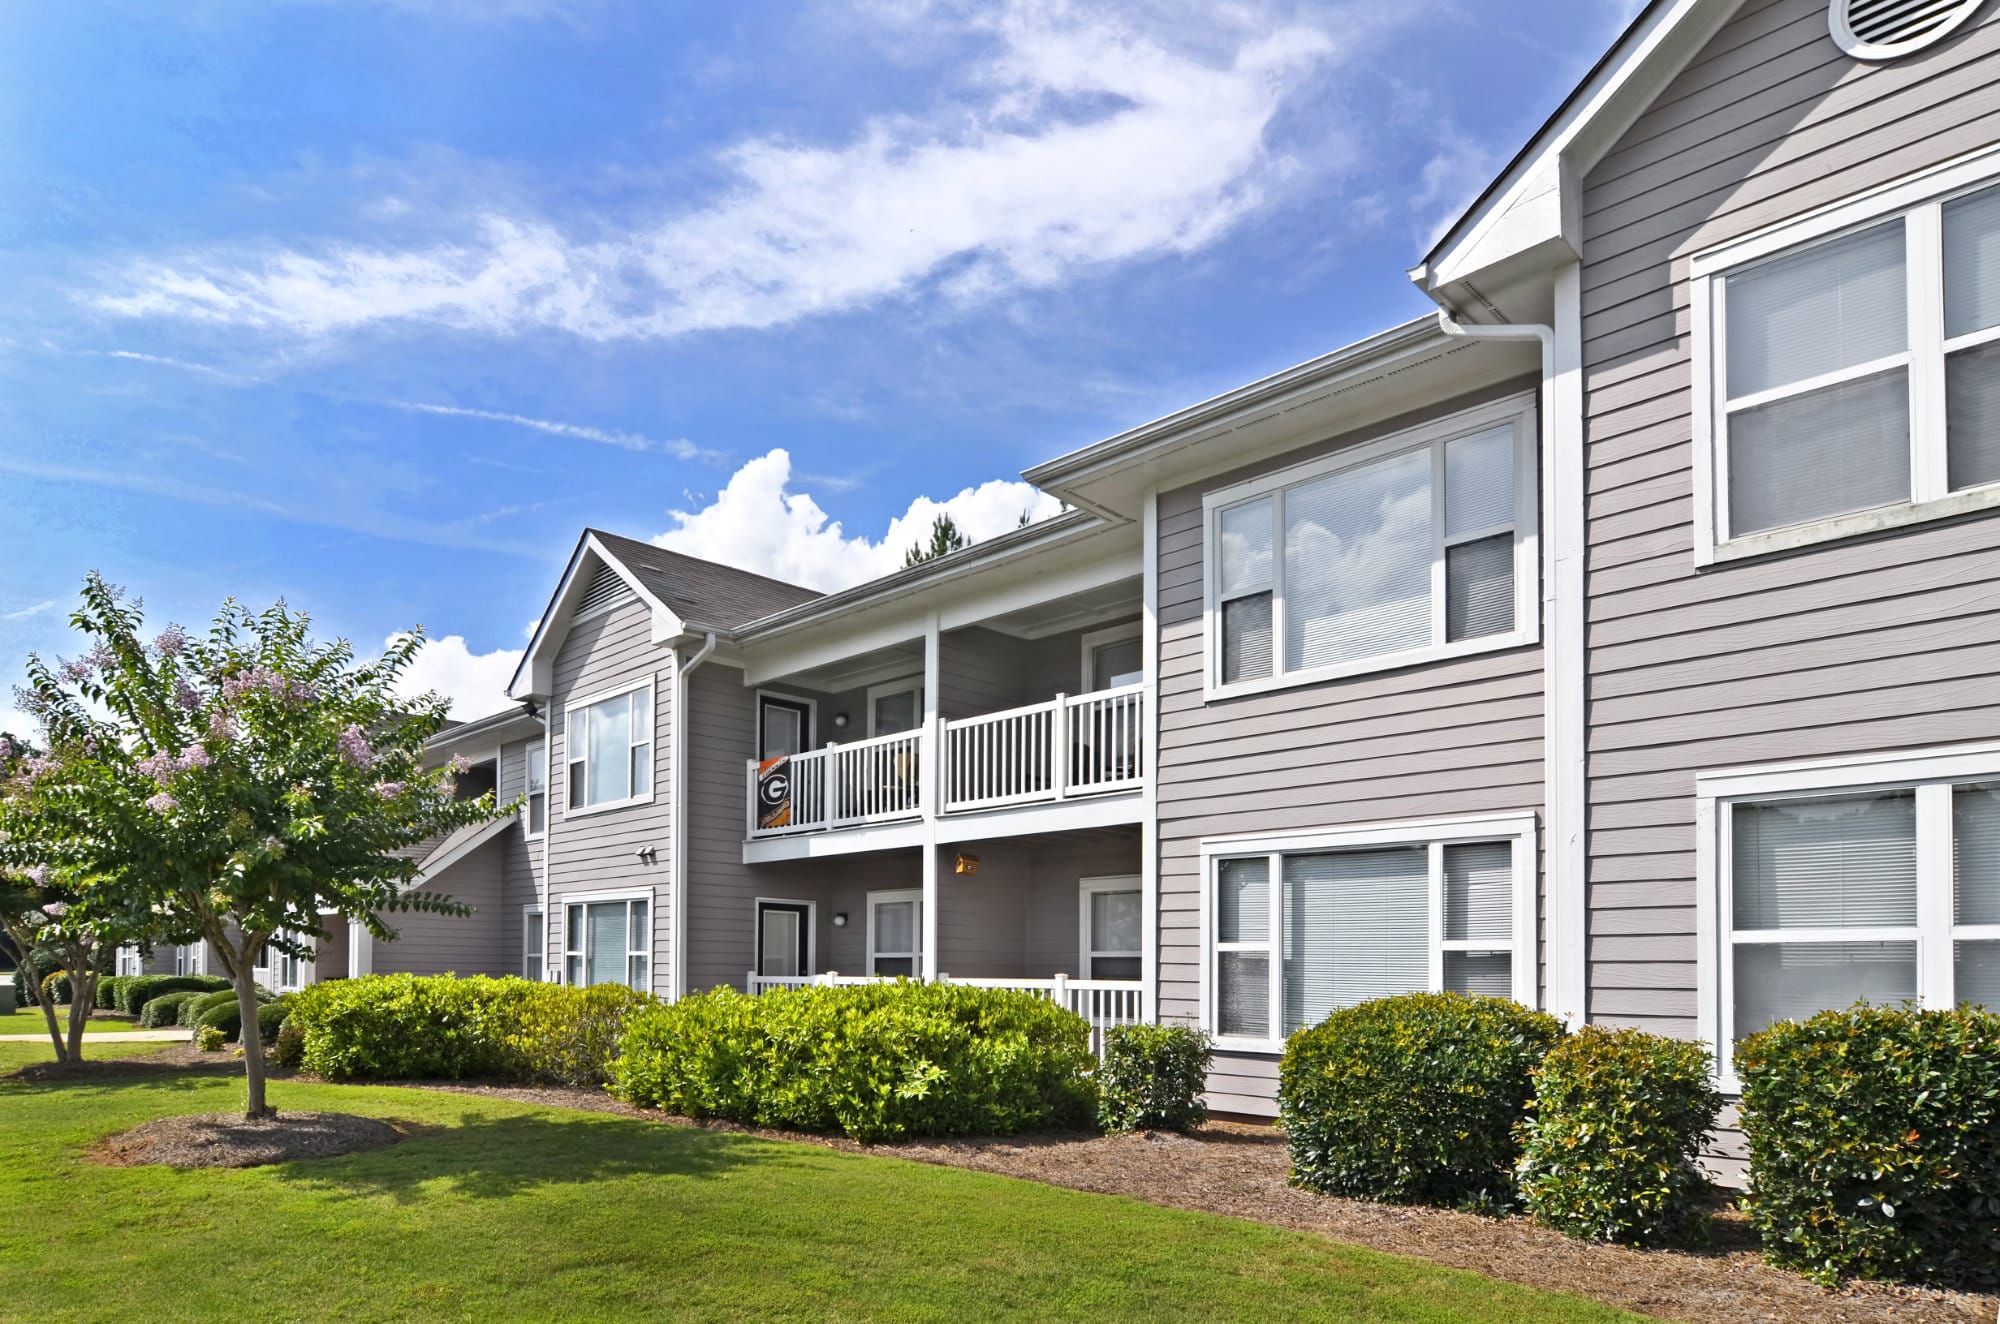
(107, 1037)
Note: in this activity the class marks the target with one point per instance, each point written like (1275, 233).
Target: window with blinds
(1375, 557)
(608, 942)
(1300, 932)
(1857, 372)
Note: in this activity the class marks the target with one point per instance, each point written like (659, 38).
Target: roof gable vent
(1890, 29)
(605, 592)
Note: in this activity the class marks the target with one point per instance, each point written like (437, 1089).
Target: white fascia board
(537, 668)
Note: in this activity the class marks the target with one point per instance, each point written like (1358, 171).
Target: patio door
(784, 726)
(784, 938)
(1112, 923)
(895, 933)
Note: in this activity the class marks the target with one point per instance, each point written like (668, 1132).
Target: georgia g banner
(774, 792)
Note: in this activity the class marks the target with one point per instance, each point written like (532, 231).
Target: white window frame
(1931, 773)
(1096, 639)
(1436, 834)
(535, 937)
(537, 752)
(916, 955)
(757, 929)
(605, 898)
(1919, 199)
(913, 685)
(1086, 888)
(577, 752)
(1519, 410)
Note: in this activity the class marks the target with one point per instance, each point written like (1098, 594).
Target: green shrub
(1413, 1099)
(135, 991)
(207, 1002)
(210, 1039)
(1874, 1138)
(877, 1061)
(558, 1035)
(1608, 1152)
(31, 976)
(289, 1049)
(224, 1016)
(1151, 1078)
(166, 1009)
(270, 1018)
(107, 991)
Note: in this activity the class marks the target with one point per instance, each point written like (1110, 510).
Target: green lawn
(28, 1020)
(507, 1211)
(14, 1056)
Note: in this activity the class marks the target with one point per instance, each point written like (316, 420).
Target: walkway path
(107, 1037)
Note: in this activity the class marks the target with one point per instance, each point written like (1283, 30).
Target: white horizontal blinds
(1838, 862)
(1975, 826)
(1791, 981)
(1245, 588)
(1479, 587)
(1243, 955)
(607, 767)
(604, 956)
(639, 940)
(1356, 927)
(1817, 382)
(1489, 974)
(538, 790)
(1479, 892)
(1972, 355)
(1479, 483)
(1976, 975)
(575, 940)
(1479, 534)
(641, 752)
(1358, 552)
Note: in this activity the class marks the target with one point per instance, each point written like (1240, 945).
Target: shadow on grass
(494, 1158)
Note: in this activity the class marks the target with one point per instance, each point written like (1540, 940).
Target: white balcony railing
(1071, 746)
(1102, 1003)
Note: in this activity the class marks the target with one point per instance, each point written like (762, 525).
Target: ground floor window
(1827, 883)
(534, 942)
(895, 933)
(608, 942)
(1300, 926)
(1112, 923)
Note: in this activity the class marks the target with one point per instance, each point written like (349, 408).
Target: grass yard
(15, 1056)
(28, 1020)
(506, 1210)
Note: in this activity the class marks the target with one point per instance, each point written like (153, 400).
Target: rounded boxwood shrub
(107, 991)
(1151, 1078)
(32, 976)
(1608, 1150)
(877, 1061)
(288, 1050)
(1874, 1137)
(224, 1016)
(270, 1017)
(166, 1009)
(1413, 1099)
(135, 991)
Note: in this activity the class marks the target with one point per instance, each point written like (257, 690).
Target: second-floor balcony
(1071, 747)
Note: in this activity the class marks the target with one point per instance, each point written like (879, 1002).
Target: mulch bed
(227, 1140)
(171, 1058)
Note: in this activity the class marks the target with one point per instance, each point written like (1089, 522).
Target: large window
(1417, 546)
(1299, 927)
(1829, 883)
(610, 744)
(1851, 368)
(534, 944)
(538, 788)
(1113, 925)
(608, 942)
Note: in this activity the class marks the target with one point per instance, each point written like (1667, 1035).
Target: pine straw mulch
(1240, 1170)
(228, 1140)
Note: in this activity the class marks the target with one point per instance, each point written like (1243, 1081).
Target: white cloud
(1090, 141)
(476, 683)
(757, 522)
(678, 447)
(18, 723)
(25, 612)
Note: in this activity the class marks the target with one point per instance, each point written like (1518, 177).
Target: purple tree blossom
(194, 756)
(158, 766)
(35, 768)
(56, 909)
(163, 803)
(389, 790)
(187, 696)
(6, 749)
(39, 875)
(459, 765)
(354, 747)
(172, 642)
(101, 658)
(221, 726)
(74, 670)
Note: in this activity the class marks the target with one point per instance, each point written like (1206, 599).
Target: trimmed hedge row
(133, 992)
(411, 1027)
(165, 1010)
(876, 1061)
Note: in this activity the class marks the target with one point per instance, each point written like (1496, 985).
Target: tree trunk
(82, 1001)
(251, 1038)
(48, 1014)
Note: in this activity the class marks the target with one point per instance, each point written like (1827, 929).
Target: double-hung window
(1302, 926)
(534, 942)
(1827, 883)
(610, 750)
(1413, 547)
(608, 942)
(538, 788)
(1847, 367)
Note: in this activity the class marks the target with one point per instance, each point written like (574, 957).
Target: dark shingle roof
(702, 592)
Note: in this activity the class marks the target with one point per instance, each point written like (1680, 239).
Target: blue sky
(373, 306)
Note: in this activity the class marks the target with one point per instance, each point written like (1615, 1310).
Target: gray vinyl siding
(521, 857)
(721, 889)
(435, 944)
(1457, 737)
(1019, 916)
(984, 671)
(598, 852)
(1840, 649)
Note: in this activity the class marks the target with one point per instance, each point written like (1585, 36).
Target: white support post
(1059, 773)
(930, 749)
(1062, 991)
(929, 967)
(830, 779)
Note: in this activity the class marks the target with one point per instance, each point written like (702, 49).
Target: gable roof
(702, 593)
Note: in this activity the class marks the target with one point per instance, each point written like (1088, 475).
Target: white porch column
(929, 793)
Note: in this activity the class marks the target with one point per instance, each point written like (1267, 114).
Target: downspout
(677, 867)
(1562, 501)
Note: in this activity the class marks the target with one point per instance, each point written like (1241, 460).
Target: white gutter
(1562, 467)
(677, 867)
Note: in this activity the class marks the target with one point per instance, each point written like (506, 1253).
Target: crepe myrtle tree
(83, 928)
(241, 785)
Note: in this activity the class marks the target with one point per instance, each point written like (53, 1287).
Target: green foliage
(1152, 1077)
(877, 1061)
(1874, 1139)
(32, 973)
(1608, 1152)
(107, 991)
(165, 1009)
(1413, 1099)
(290, 1049)
(946, 538)
(135, 991)
(210, 1038)
(410, 1027)
(270, 1018)
(224, 1016)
